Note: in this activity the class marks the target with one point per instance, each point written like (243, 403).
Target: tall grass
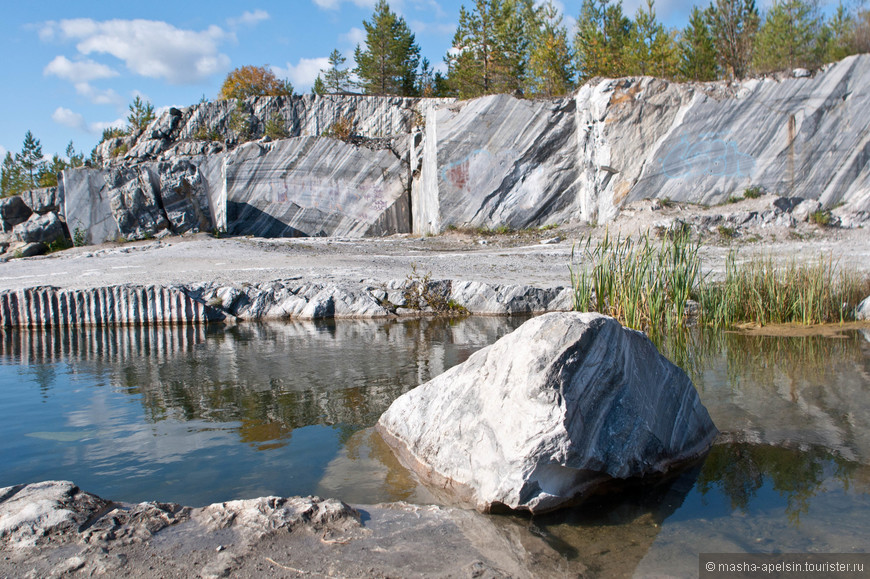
(647, 284)
(761, 292)
(642, 282)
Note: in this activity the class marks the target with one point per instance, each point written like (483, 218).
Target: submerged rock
(545, 415)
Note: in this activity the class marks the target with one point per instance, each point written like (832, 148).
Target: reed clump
(649, 285)
(643, 282)
(762, 292)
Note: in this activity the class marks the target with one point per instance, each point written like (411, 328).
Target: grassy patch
(762, 292)
(646, 285)
(643, 283)
(753, 192)
(821, 218)
(727, 232)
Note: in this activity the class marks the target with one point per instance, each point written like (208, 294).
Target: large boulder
(862, 312)
(39, 229)
(13, 210)
(45, 200)
(548, 413)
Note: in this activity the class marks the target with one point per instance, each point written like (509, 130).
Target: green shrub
(822, 218)
(753, 192)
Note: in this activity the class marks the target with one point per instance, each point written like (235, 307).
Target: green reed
(647, 285)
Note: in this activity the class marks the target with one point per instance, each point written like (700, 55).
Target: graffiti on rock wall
(706, 155)
(479, 171)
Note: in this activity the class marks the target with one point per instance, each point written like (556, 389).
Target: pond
(196, 415)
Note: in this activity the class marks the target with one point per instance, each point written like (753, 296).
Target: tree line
(29, 169)
(522, 47)
(518, 46)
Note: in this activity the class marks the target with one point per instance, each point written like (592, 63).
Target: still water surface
(197, 415)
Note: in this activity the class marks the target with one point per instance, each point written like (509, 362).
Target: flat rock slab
(54, 529)
(548, 413)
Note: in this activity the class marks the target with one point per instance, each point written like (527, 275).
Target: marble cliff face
(421, 165)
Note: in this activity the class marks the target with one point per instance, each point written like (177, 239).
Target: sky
(71, 69)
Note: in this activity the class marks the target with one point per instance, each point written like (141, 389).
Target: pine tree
(389, 63)
(733, 25)
(74, 159)
(551, 61)
(697, 52)
(837, 39)
(141, 114)
(319, 87)
(788, 37)
(335, 79)
(48, 175)
(602, 32)
(30, 160)
(12, 179)
(471, 62)
(650, 49)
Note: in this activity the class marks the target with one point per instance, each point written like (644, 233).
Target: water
(201, 415)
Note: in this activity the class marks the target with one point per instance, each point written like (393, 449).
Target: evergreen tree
(471, 68)
(336, 79)
(837, 40)
(602, 32)
(389, 63)
(48, 175)
(490, 52)
(74, 159)
(551, 62)
(319, 86)
(650, 49)
(141, 114)
(12, 178)
(697, 52)
(733, 25)
(788, 38)
(30, 160)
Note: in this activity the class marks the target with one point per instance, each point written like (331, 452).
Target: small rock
(551, 240)
(800, 73)
(804, 209)
(862, 312)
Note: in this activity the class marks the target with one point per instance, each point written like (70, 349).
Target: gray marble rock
(184, 193)
(134, 200)
(311, 186)
(498, 160)
(862, 312)
(46, 200)
(565, 403)
(13, 210)
(39, 229)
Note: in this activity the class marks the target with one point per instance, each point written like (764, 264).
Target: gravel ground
(537, 258)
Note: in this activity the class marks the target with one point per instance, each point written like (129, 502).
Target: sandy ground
(537, 258)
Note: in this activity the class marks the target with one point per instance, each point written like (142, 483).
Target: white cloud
(303, 74)
(353, 37)
(420, 27)
(3, 151)
(100, 126)
(68, 118)
(249, 18)
(334, 4)
(149, 48)
(78, 71)
(97, 96)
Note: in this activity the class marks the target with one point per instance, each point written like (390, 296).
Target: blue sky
(72, 68)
